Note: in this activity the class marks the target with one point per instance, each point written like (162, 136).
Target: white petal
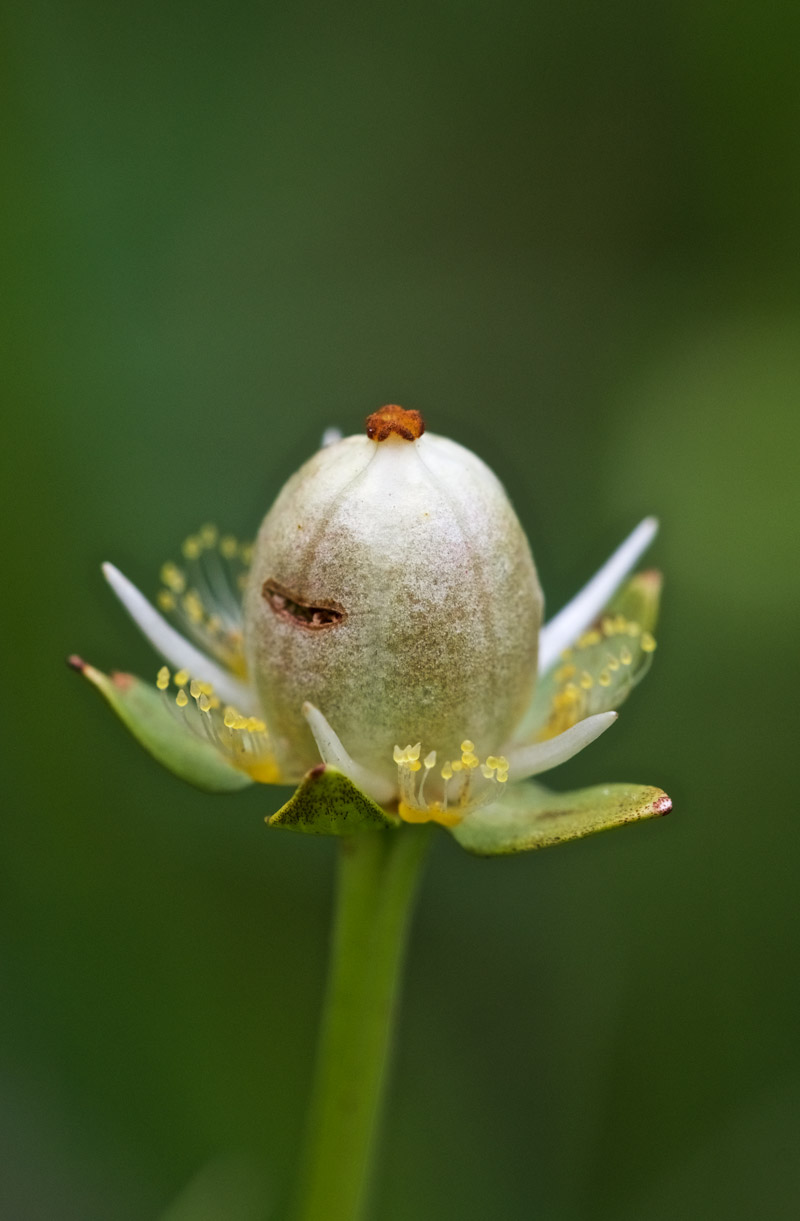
(330, 437)
(565, 627)
(175, 648)
(528, 761)
(332, 752)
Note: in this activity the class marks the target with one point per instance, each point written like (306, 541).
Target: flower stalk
(378, 873)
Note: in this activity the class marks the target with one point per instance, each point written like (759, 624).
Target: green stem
(377, 876)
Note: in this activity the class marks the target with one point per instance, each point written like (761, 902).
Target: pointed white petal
(175, 648)
(528, 761)
(565, 627)
(330, 437)
(332, 752)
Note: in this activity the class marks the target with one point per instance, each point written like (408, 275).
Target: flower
(390, 597)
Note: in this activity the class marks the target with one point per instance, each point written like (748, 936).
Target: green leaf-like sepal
(530, 816)
(328, 803)
(145, 712)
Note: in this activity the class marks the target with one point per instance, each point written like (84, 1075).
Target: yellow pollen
(191, 548)
(565, 672)
(173, 578)
(493, 762)
(166, 600)
(604, 678)
(181, 699)
(195, 689)
(457, 765)
(228, 546)
(587, 682)
(230, 717)
(467, 747)
(162, 681)
(625, 656)
(181, 678)
(612, 662)
(193, 606)
(415, 765)
(204, 703)
(647, 642)
(470, 761)
(430, 760)
(589, 638)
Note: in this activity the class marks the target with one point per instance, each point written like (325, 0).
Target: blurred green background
(568, 234)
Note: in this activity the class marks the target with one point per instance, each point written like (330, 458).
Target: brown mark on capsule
(393, 420)
(289, 606)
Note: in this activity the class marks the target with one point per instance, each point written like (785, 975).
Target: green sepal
(639, 599)
(530, 816)
(144, 711)
(328, 803)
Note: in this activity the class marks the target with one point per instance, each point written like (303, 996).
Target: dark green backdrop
(567, 232)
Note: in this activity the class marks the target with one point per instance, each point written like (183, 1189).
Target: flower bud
(392, 586)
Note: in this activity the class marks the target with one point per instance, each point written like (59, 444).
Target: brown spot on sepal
(392, 420)
(287, 605)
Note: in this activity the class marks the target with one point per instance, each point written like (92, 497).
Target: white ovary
(392, 586)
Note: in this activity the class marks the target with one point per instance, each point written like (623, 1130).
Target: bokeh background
(566, 232)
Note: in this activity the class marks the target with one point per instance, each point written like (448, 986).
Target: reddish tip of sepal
(662, 804)
(317, 771)
(76, 663)
(392, 420)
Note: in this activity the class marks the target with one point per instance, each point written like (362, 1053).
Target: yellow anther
(607, 625)
(589, 638)
(565, 672)
(467, 747)
(173, 578)
(207, 688)
(193, 606)
(240, 722)
(399, 755)
(191, 547)
(470, 761)
(604, 678)
(502, 763)
(634, 629)
(181, 678)
(230, 717)
(430, 760)
(228, 546)
(648, 642)
(209, 535)
(415, 765)
(502, 777)
(493, 762)
(620, 624)
(162, 681)
(246, 553)
(486, 771)
(413, 752)
(447, 772)
(204, 703)
(612, 662)
(255, 725)
(570, 694)
(166, 600)
(214, 623)
(566, 654)
(195, 690)
(457, 765)
(181, 699)
(586, 680)
(625, 656)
